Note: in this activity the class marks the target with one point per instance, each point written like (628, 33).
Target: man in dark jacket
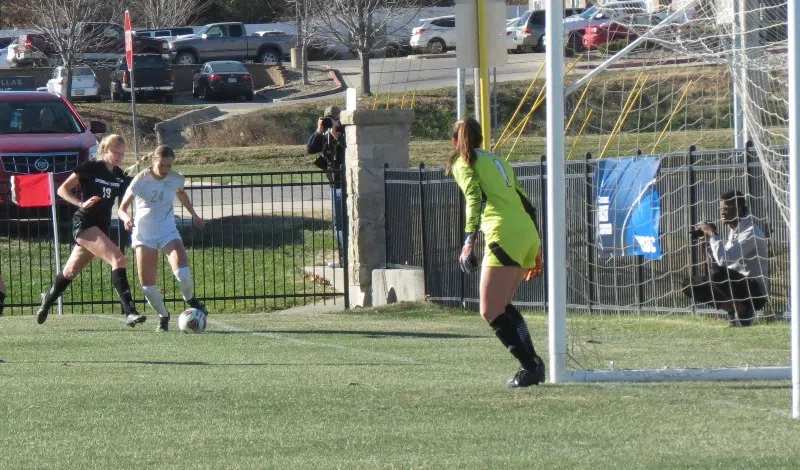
(329, 142)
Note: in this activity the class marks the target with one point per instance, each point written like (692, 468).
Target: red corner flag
(31, 190)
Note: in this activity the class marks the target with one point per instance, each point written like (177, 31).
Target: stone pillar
(294, 55)
(374, 138)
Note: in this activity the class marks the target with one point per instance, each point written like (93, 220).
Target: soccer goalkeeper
(512, 243)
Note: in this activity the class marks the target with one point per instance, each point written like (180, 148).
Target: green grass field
(404, 387)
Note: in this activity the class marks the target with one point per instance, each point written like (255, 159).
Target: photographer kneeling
(737, 280)
(328, 140)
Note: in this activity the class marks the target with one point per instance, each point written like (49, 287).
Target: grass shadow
(368, 334)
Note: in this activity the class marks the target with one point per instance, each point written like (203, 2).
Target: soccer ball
(192, 321)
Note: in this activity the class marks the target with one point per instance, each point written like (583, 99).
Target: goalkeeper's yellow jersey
(492, 178)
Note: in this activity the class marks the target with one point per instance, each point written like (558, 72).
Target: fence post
(374, 138)
(748, 148)
(461, 222)
(386, 211)
(590, 258)
(422, 228)
(346, 236)
(543, 229)
(691, 212)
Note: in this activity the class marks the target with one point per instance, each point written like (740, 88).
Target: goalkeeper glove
(536, 271)
(467, 260)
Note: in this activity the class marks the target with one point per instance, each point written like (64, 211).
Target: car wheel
(436, 46)
(540, 44)
(269, 56)
(574, 45)
(249, 96)
(186, 58)
(207, 93)
(169, 98)
(195, 93)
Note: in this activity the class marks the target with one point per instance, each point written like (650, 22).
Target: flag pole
(56, 246)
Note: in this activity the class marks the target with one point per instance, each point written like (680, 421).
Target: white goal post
(556, 222)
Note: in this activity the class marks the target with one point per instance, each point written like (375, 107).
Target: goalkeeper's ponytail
(467, 137)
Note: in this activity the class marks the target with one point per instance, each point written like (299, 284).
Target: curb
(340, 87)
(447, 55)
(640, 63)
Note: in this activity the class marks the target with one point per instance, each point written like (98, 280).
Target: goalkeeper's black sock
(60, 284)
(119, 279)
(2, 302)
(522, 327)
(509, 331)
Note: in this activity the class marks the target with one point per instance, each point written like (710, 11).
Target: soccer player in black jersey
(101, 182)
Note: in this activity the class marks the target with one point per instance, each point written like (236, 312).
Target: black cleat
(526, 378)
(41, 314)
(163, 324)
(194, 303)
(132, 319)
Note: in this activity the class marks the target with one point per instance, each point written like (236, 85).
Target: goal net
(667, 108)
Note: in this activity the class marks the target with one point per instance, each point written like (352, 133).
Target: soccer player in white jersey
(153, 192)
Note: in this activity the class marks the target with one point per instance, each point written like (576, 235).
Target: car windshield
(148, 62)
(228, 68)
(37, 117)
(589, 13)
(82, 72)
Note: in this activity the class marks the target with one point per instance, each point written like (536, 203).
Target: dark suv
(41, 132)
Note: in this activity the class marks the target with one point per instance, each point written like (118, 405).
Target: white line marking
(287, 339)
(303, 342)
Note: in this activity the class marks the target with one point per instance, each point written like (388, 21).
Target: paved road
(403, 74)
(396, 76)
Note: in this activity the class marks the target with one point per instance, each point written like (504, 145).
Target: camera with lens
(327, 122)
(696, 233)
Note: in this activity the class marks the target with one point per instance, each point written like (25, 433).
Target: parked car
(166, 33)
(84, 83)
(223, 41)
(621, 20)
(153, 78)
(105, 42)
(434, 35)
(530, 32)
(601, 34)
(225, 78)
(41, 132)
(511, 34)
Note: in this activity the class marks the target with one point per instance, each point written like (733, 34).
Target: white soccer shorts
(157, 241)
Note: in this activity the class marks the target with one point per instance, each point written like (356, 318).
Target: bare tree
(366, 26)
(169, 13)
(64, 30)
(308, 27)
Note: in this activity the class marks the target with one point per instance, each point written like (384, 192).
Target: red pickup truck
(104, 42)
(41, 132)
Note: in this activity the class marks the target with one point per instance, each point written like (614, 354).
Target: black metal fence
(425, 220)
(266, 245)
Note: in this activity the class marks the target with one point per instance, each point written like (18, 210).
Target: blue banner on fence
(628, 207)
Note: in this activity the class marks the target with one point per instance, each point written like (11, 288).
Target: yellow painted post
(483, 67)
(413, 98)
(375, 102)
(403, 102)
(521, 103)
(580, 133)
(622, 115)
(672, 116)
(578, 105)
(388, 96)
